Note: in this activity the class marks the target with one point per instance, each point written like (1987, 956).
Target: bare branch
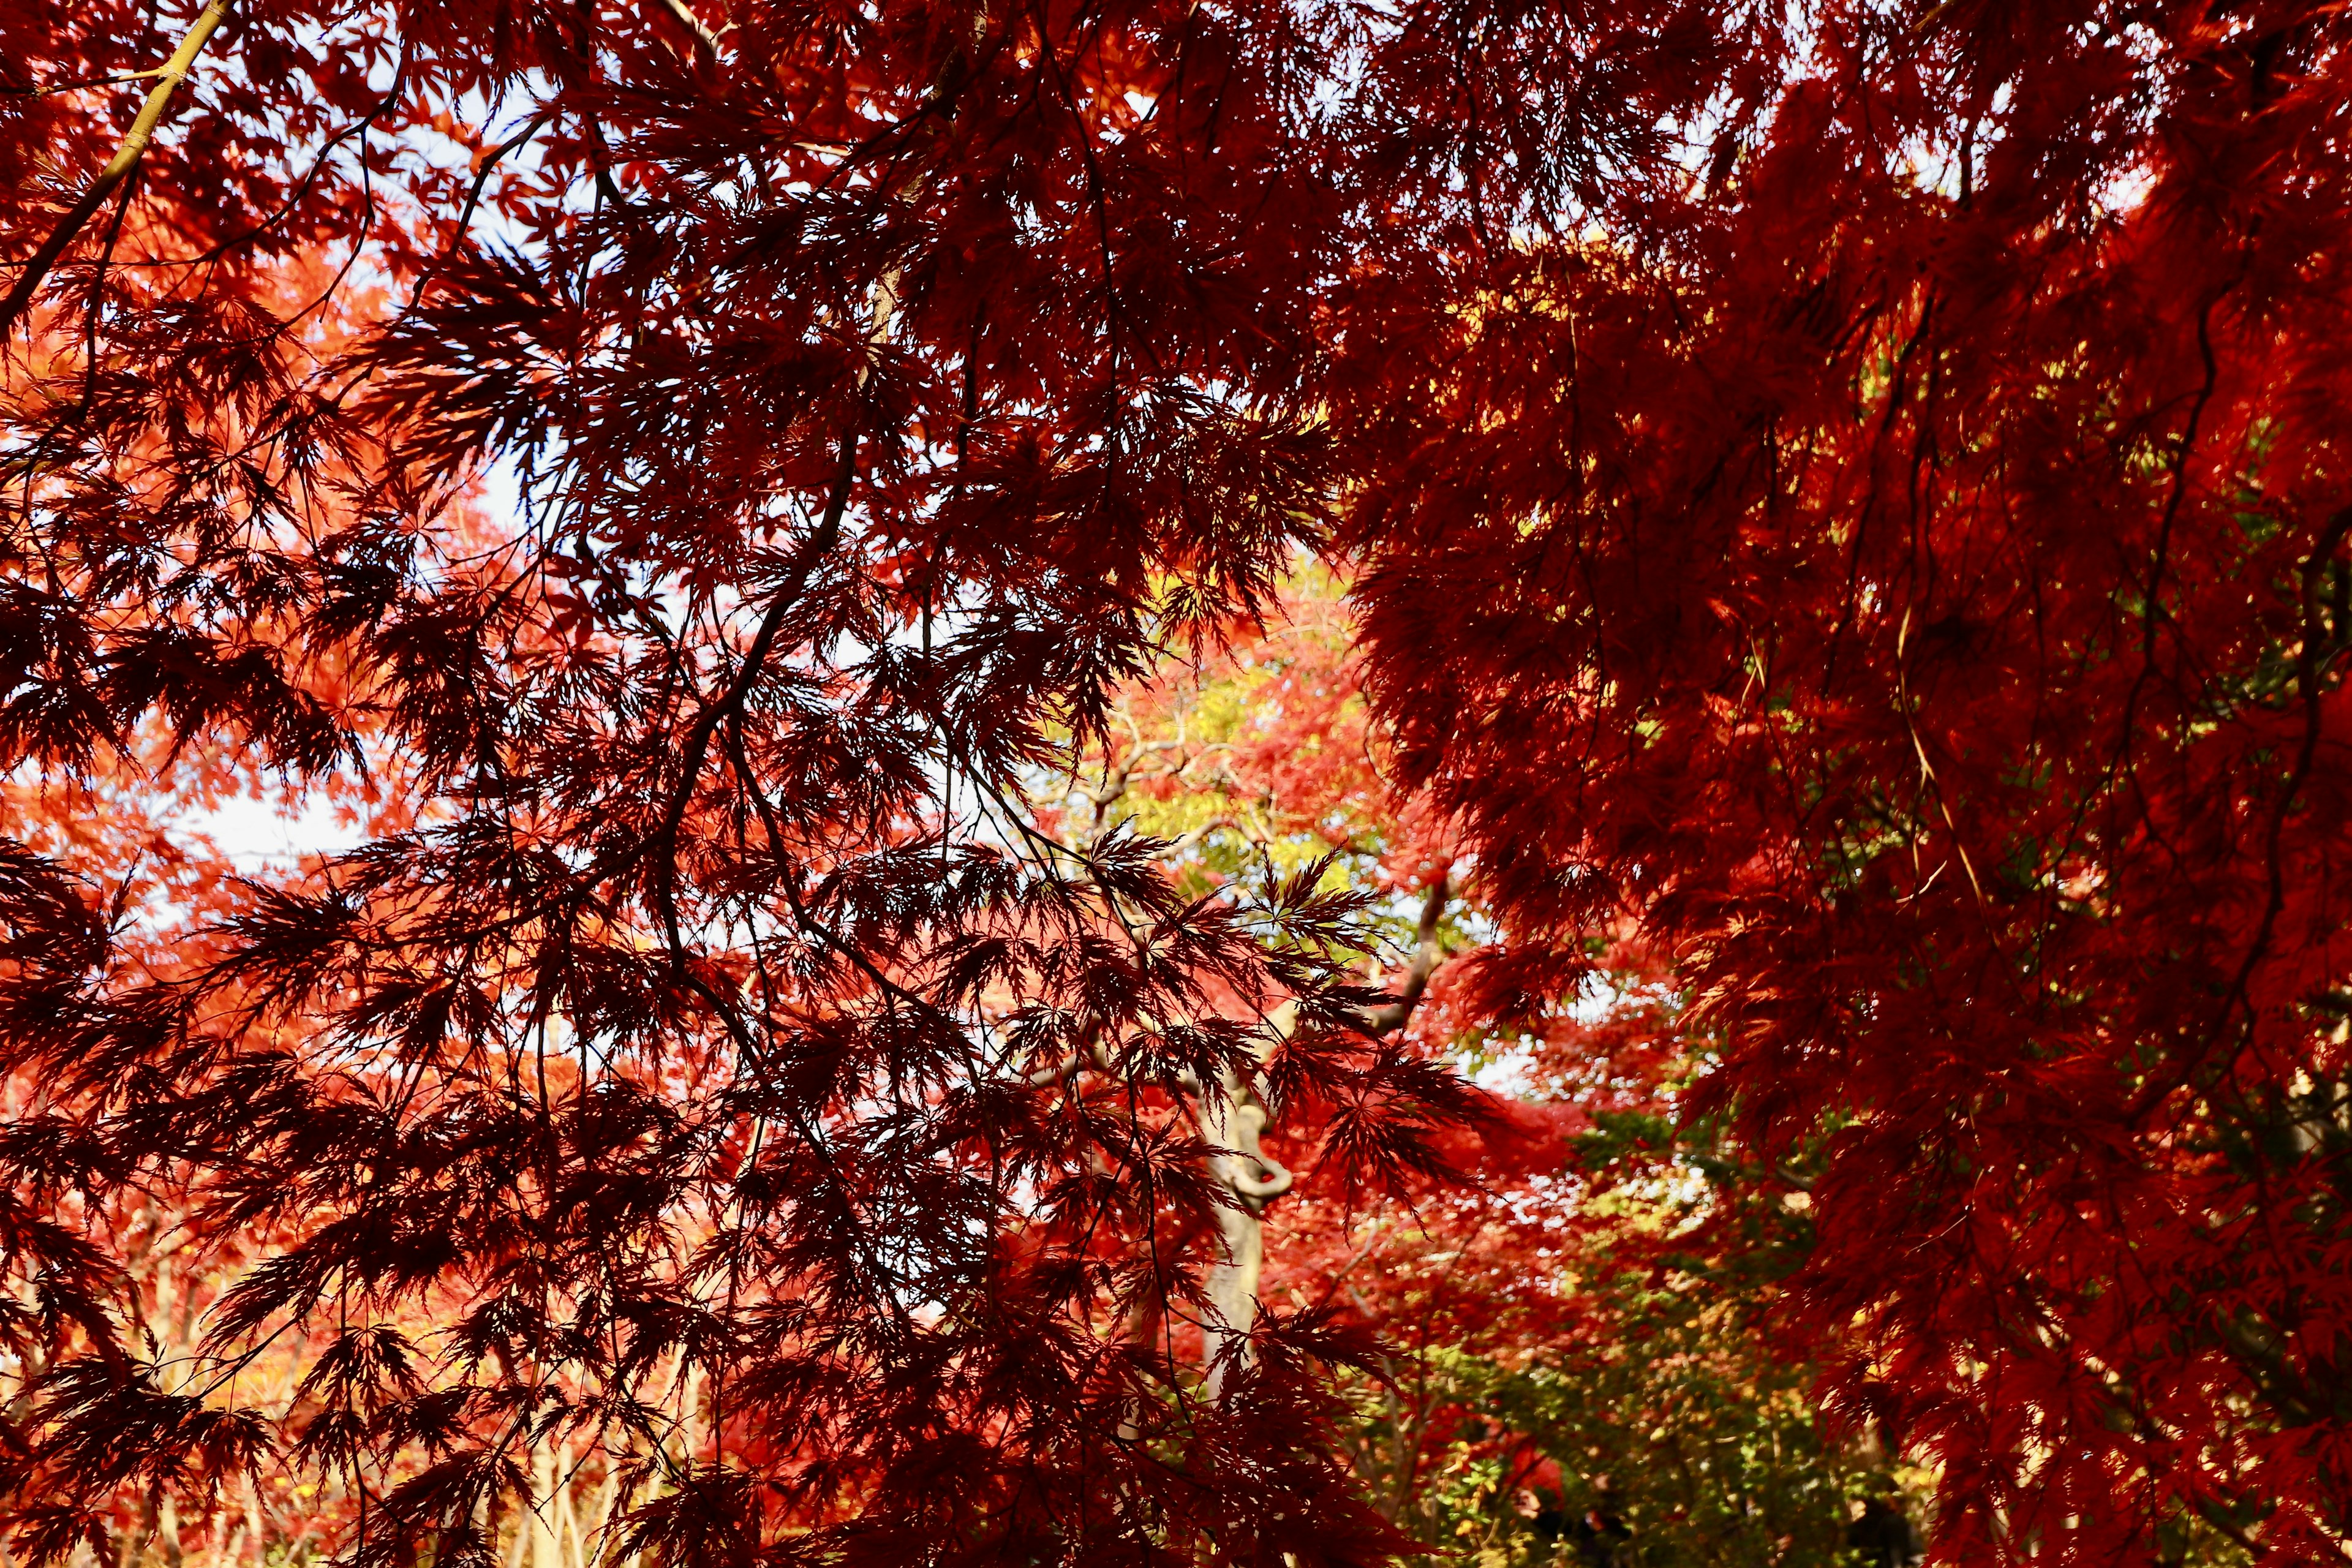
(695, 24)
(118, 168)
(1428, 954)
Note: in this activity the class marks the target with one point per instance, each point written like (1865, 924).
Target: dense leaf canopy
(1847, 507)
(1915, 582)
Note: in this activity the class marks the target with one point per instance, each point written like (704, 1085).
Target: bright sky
(256, 838)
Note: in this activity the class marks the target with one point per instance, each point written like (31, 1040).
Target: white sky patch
(1510, 1071)
(261, 835)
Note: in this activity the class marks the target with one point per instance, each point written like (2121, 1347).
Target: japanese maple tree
(1851, 501)
(687, 1082)
(1903, 567)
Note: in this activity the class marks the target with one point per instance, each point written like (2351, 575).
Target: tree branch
(693, 24)
(696, 750)
(1428, 954)
(126, 158)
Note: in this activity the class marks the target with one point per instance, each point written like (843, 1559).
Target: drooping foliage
(1851, 507)
(705, 1067)
(1904, 569)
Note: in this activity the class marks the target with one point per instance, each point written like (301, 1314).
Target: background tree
(1575, 1312)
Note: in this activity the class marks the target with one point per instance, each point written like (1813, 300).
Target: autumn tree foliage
(708, 1070)
(1848, 502)
(1575, 1299)
(1904, 566)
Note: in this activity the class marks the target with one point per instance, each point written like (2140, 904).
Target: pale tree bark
(1230, 1114)
(574, 1539)
(554, 1534)
(1230, 1119)
(546, 1481)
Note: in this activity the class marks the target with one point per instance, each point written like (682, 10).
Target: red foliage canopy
(1907, 566)
(1859, 489)
(879, 389)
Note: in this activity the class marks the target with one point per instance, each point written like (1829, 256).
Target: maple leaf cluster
(1846, 514)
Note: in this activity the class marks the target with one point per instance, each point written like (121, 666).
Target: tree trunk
(546, 1543)
(1230, 1121)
